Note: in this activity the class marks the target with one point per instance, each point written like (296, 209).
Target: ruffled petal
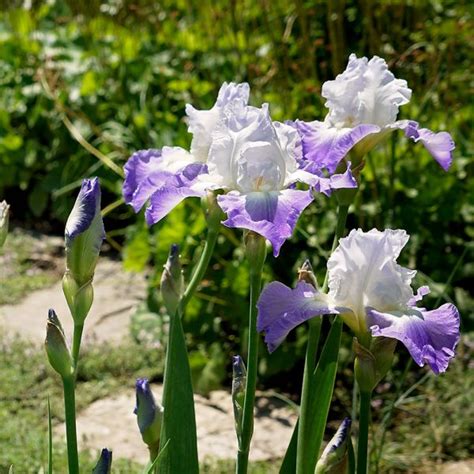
(440, 145)
(177, 188)
(149, 170)
(363, 271)
(326, 185)
(325, 146)
(281, 309)
(429, 336)
(271, 214)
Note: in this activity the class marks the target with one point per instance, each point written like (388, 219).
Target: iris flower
(240, 150)
(363, 105)
(372, 294)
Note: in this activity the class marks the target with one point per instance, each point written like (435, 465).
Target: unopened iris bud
(149, 415)
(306, 274)
(370, 366)
(334, 459)
(56, 348)
(104, 465)
(83, 238)
(172, 281)
(239, 381)
(4, 212)
(84, 232)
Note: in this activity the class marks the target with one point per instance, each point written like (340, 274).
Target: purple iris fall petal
(430, 336)
(178, 188)
(440, 145)
(143, 174)
(281, 309)
(271, 214)
(325, 146)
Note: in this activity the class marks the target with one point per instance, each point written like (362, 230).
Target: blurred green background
(84, 84)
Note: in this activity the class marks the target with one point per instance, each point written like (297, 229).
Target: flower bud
(104, 464)
(4, 208)
(172, 281)
(306, 274)
(370, 366)
(79, 298)
(56, 348)
(239, 381)
(84, 233)
(334, 459)
(149, 415)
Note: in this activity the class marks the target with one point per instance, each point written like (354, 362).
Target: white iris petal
(365, 93)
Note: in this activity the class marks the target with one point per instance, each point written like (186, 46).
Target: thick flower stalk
(363, 105)
(240, 150)
(372, 294)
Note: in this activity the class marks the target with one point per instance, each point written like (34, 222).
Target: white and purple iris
(372, 294)
(363, 105)
(239, 149)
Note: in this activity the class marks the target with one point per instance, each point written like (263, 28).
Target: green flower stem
(256, 253)
(304, 459)
(70, 414)
(201, 267)
(364, 422)
(76, 344)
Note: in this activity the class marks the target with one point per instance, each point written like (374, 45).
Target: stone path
(116, 294)
(111, 423)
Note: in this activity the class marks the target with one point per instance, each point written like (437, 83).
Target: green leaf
(155, 466)
(137, 251)
(179, 421)
(321, 389)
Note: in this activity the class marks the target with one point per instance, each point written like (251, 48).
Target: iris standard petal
(281, 309)
(271, 214)
(429, 336)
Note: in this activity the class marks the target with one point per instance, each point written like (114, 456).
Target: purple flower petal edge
(281, 309)
(430, 336)
(440, 145)
(271, 214)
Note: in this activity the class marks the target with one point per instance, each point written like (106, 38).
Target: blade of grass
(50, 441)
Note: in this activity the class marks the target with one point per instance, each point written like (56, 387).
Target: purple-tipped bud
(84, 232)
(104, 464)
(4, 208)
(56, 348)
(172, 281)
(334, 459)
(149, 414)
(306, 274)
(83, 237)
(239, 381)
